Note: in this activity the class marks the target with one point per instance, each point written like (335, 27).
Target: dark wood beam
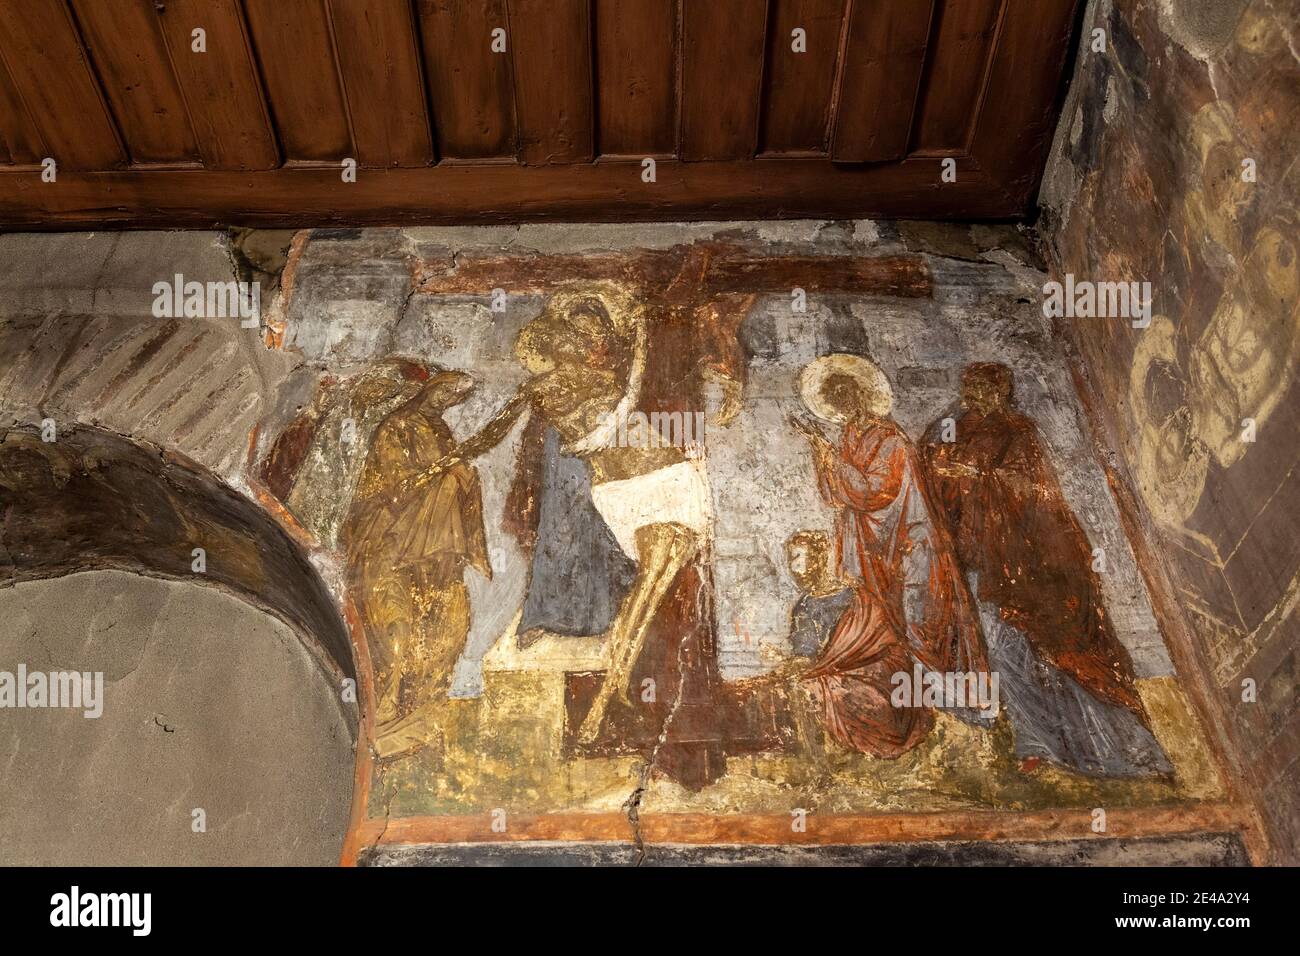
(303, 196)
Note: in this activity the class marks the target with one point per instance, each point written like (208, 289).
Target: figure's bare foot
(417, 730)
(595, 722)
(589, 731)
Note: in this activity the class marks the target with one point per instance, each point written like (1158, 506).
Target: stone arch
(94, 501)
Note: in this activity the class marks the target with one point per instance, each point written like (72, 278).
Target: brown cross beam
(689, 274)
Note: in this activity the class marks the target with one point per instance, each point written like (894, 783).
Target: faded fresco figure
(585, 354)
(823, 596)
(910, 604)
(408, 546)
(316, 462)
(617, 536)
(1069, 683)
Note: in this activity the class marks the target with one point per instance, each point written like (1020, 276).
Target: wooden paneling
(884, 62)
(798, 86)
(963, 42)
(723, 42)
(553, 126)
(296, 52)
(126, 44)
(55, 85)
(469, 85)
(379, 58)
(22, 141)
(221, 86)
(636, 76)
(551, 44)
(1013, 131)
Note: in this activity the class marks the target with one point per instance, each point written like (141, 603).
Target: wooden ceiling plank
(296, 53)
(636, 77)
(52, 79)
(22, 139)
(550, 42)
(220, 84)
(1014, 130)
(954, 83)
(383, 80)
(125, 42)
(301, 197)
(723, 43)
(470, 86)
(799, 85)
(881, 79)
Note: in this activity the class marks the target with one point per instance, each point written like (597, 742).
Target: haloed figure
(408, 546)
(1067, 681)
(909, 605)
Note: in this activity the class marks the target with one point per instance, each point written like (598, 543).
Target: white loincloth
(677, 494)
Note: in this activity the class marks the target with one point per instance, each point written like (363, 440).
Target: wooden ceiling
(147, 131)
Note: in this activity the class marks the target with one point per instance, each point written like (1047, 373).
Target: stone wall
(214, 722)
(1175, 164)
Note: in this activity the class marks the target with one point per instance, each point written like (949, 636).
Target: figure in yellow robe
(408, 546)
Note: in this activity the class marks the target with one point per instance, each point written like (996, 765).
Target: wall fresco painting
(1202, 403)
(674, 545)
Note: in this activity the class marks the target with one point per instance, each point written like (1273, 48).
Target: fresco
(1202, 403)
(653, 540)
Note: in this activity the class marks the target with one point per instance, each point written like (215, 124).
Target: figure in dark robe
(1067, 681)
(910, 606)
(578, 574)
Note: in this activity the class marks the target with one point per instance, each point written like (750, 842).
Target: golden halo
(877, 394)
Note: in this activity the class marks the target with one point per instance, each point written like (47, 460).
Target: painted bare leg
(664, 550)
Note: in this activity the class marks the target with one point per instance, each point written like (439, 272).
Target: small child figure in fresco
(823, 598)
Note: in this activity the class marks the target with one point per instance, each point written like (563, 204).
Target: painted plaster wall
(1150, 181)
(353, 307)
(222, 396)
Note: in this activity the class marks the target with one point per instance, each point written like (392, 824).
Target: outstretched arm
(862, 478)
(484, 440)
(722, 357)
(823, 451)
(495, 431)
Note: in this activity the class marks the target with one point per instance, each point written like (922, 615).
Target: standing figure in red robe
(1069, 682)
(911, 606)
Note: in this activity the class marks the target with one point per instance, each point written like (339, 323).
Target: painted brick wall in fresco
(1176, 164)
